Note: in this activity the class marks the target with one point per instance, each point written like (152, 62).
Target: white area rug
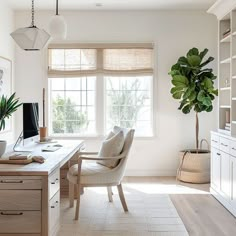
(150, 213)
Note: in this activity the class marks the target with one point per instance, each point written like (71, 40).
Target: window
(82, 79)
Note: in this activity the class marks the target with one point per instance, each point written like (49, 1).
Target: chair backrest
(129, 136)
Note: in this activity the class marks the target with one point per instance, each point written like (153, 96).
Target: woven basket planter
(194, 167)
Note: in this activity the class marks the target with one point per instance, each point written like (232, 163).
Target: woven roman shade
(73, 60)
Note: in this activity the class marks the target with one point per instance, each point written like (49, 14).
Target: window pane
(130, 104)
(73, 110)
(72, 59)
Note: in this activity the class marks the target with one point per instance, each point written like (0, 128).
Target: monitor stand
(16, 147)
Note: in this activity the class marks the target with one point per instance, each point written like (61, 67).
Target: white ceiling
(112, 4)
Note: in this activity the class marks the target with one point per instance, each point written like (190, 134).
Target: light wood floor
(201, 213)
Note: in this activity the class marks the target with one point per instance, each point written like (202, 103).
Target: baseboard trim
(150, 172)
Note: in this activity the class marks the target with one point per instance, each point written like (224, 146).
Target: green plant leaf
(193, 52)
(186, 109)
(207, 101)
(177, 95)
(194, 60)
(207, 61)
(201, 96)
(176, 89)
(209, 109)
(203, 53)
(208, 83)
(192, 96)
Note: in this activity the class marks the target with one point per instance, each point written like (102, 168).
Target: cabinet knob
(218, 153)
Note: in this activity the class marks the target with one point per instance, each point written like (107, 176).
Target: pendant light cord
(57, 8)
(32, 11)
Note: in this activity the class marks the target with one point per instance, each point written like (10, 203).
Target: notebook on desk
(50, 149)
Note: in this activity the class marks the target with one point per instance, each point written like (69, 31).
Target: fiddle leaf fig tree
(193, 84)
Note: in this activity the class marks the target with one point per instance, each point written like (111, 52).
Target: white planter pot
(194, 167)
(3, 145)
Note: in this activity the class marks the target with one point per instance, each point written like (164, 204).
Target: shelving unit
(227, 73)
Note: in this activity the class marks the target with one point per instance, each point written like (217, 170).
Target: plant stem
(197, 131)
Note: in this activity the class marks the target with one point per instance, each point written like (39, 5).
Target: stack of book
(226, 33)
(227, 126)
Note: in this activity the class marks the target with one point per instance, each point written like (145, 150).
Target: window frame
(100, 93)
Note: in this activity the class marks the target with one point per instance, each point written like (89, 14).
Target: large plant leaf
(203, 53)
(194, 60)
(207, 61)
(193, 52)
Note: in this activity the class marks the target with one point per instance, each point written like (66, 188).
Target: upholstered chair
(90, 173)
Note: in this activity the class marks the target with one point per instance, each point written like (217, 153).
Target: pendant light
(31, 38)
(58, 26)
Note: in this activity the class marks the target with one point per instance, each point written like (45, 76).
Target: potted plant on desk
(7, 107)
(193, 85)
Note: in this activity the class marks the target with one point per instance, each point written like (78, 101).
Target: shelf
(233, 122)
(234, 33)
(225, 88)
(234, 77)
(234, 98)
(225, 106)
(225, 61)
(234, 57)
(226, 39)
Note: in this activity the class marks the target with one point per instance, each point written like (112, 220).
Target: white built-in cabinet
(223, 142)
(223, 170)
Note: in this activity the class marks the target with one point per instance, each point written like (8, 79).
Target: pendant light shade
(31, 38)
(58, 26)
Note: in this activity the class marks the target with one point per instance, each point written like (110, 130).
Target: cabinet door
(215, 168)
(225, 175)
(233, 181)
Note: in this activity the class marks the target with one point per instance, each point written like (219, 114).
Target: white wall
(7, 51)
(173, 32)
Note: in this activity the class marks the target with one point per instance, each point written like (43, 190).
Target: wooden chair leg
(122, 197)
(77, 202)
(109, 191)
(71, 194)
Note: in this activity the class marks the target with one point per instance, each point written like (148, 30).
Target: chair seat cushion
(88, 168)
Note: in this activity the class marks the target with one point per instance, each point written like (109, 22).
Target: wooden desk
(30, 194)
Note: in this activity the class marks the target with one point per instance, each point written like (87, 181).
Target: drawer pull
(225, 145)
(218, 154)
(214, 141)
(11, 214)
(233, 148)
(56, 202)
(11, 181)
(56, 180)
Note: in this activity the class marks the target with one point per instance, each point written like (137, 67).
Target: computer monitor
(30, 120)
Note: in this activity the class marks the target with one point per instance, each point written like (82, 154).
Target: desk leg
(45, 226)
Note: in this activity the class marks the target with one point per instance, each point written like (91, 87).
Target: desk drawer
(54, 182)
(20, 200)
(20, 183)
(20, 222)
(54, 212)
(215, 141)
(224, 144)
